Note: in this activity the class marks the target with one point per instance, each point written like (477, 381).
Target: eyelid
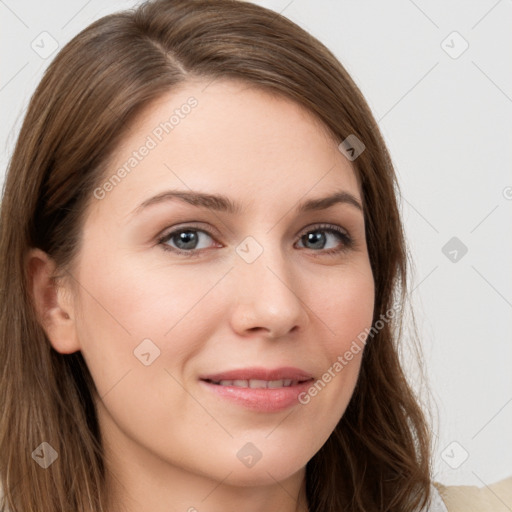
(323, 225)
(200, 226)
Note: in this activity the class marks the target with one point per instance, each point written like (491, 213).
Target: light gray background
(448, 123)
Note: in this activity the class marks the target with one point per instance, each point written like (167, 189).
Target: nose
(266, 300)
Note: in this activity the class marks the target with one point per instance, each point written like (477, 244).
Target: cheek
(128, 303)
(345, 307)
(139, 328)
(345, 313)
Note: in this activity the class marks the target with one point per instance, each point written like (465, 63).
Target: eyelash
(347, 241)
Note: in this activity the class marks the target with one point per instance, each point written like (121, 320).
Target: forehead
(226, 137)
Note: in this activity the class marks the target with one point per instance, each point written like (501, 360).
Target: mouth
(258, 383)
(258, 376)
(259, 389)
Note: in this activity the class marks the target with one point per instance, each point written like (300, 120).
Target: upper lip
(285, 372)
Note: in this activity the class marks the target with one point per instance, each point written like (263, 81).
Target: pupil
(315, 237)
(188, 237)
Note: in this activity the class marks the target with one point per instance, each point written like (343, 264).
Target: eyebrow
(222, 203)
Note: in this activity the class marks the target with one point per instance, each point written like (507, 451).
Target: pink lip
(260, 399)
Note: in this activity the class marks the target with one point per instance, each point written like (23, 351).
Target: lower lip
(261, 399)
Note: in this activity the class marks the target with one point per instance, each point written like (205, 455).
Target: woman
(203, 276)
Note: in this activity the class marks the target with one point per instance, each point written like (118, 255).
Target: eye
(187, 240)
(318, 239)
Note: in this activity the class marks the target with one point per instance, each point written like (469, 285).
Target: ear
(53, 304)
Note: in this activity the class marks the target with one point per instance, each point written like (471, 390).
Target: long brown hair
(378, 457)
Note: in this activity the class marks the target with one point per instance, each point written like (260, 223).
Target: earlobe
(53, 307)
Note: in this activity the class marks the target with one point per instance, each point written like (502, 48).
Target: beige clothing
(495, 497)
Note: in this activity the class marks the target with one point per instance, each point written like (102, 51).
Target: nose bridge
(266, 289)
(262, 262)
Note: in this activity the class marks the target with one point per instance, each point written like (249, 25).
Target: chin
(276, 462)
(262, 474)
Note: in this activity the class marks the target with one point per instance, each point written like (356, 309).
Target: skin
(170, 443)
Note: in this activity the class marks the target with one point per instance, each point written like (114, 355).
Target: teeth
(258, 383)
(255, 383)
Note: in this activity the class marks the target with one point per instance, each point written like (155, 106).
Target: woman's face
(178, 291)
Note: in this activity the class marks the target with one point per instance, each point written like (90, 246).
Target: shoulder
(496, 497)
